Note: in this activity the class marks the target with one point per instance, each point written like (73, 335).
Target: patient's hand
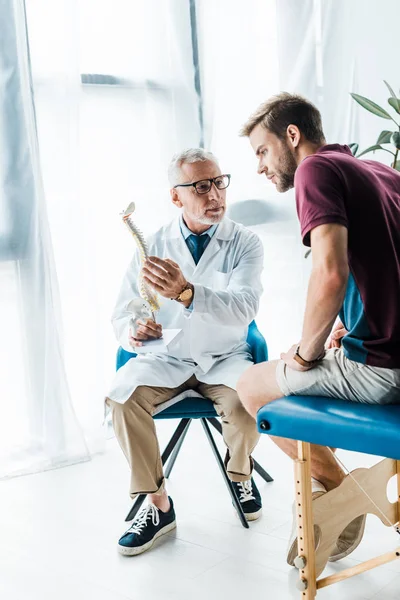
(287, 358)
(146, 330)
(337, 333)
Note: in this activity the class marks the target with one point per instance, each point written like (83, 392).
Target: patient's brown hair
(287, 109)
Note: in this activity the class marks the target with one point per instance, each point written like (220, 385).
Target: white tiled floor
(58, 533)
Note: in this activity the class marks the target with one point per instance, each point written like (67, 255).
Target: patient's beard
(286, 171)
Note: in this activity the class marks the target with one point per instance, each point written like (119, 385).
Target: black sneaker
(249, 497)
(150, 524)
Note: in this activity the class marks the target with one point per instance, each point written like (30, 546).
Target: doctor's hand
(164, 275)
(146, 330)
(335, 339)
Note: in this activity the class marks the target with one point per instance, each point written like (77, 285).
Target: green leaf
(395, 139)
(370, 149)
(384, 137)
(373, 148)
(390, 89)
(354, 148)
(395, 103)
(371, 106)
(397, 165)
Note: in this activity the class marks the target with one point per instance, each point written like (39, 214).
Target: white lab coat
(227, 288)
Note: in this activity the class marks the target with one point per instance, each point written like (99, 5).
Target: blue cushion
(197, 408)
(257, 343)
(123, 356)
(367, 428)
(189, 408)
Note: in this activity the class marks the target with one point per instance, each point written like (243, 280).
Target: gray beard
(208, 220)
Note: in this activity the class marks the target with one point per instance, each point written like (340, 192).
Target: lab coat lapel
(213, 247)
(224, 232)
(180, 253)
(178, 249)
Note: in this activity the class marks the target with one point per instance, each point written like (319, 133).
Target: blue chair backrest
(255, 339)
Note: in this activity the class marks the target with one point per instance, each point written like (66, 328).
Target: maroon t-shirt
(363, 195)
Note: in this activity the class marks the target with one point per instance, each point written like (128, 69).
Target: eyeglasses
(204, 186)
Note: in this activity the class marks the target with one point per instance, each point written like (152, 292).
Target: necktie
(197, 245)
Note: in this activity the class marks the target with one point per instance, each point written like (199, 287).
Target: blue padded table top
(367, 428)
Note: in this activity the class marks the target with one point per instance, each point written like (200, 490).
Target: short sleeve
(320, 195)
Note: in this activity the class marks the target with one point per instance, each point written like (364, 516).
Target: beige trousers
(135, 430)
(336, 376)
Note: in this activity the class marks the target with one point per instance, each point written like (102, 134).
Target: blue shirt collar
(186, 231)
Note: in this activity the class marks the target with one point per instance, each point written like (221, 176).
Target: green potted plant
(388, 140)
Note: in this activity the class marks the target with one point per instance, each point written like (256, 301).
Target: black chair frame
(170, 455)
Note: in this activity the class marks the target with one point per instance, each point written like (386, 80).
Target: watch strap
(306, 363)
(188, 286)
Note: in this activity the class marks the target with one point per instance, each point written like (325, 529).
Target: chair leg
(135, 507)
(177, 448)
(179, 431)
(228, 482)
(262, 473)
(216, 424)
(257, 467)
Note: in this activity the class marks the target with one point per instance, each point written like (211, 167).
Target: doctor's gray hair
(190, 155)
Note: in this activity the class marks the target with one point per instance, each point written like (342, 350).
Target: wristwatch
(186, 294)
(306, 363)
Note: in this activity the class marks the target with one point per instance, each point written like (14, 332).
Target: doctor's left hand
(164, 275)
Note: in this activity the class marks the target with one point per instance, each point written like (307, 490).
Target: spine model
(146, 292)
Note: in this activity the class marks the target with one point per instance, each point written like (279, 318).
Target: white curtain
(329, 48)
(323, 49)
(119, 86)
(240, 68)
(115, 98)
(38, 428)
(114, 95)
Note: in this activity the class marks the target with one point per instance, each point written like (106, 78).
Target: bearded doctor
(207, 269)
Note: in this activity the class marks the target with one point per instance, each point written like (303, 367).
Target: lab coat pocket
(221, 280)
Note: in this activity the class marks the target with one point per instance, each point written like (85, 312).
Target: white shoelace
(246, 491)
(150, 512)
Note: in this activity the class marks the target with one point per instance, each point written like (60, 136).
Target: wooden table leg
(305, 522)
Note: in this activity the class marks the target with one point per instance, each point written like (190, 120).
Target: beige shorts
(338, 377)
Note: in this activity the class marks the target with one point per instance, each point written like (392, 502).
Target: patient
(207, 270)
(349, 213)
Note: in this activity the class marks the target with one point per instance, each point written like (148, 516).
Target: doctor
(207, 269)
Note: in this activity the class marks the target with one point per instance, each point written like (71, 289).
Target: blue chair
(367, 428)
(197, 407)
